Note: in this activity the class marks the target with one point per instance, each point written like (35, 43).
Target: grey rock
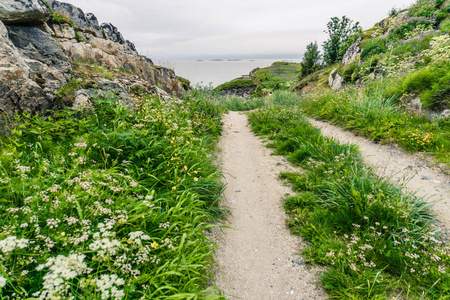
(39, 45)
(83, 101)
(132, 47)
(426, 177)
(114, 88)
(416, 105)
(353, 53)
(18, 91)
(23, 12)
(335, 80)
(300, 261)
(64, 31)
(79, 18)
(87, 99)
(112, 33)
(94, 24)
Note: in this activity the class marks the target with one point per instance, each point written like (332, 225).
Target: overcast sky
(204, 29)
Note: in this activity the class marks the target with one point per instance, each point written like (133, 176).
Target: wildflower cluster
(110, 204)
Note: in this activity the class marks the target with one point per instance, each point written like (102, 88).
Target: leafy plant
(339, 32)
(311, 58)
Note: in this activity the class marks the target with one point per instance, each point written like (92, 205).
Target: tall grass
(375, 241)
(370, 113)
(111, 204)
(234, 103)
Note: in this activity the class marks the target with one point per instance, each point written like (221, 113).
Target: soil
(257, 257)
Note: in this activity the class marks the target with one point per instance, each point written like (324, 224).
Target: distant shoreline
(217, 71)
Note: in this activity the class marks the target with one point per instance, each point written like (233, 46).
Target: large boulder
(23, 12)
(80, 19)
(115, 55)
(36, 60)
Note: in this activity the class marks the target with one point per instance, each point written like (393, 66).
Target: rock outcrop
(37, 57)
(353, 53)
(81, 20)
(23, 12)
(18, 91)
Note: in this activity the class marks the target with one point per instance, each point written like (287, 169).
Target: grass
(278, 76)
(112, 204)
(369, 113)
(375, 241)
(236, 84)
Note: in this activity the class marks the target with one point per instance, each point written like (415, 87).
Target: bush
(236, 84)
(422, 80)
(373, 47)
(350, 73)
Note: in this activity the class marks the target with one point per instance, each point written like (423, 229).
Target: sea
(211, 73)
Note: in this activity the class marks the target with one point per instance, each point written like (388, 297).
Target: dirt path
(389, 161)
(258, 258)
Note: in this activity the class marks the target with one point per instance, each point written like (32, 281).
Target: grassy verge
(368, 112)
(110, 205)
(375, 241)
(282, 98)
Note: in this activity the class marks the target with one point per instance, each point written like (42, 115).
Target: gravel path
(257, 257)
(390, 161)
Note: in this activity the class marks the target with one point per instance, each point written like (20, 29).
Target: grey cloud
(174, 28)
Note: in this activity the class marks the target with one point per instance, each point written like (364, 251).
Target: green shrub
(61, 19)
(403, 29)
(440, 98)
(373, 47)
(445, 25)
(236, 84)
(439, 3)
(350, 73)
(185, 83)
(423, 9)
(422, 80)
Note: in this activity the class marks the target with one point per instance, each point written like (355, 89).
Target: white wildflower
(107, 285)
(138, 236)
(10, 243)
(3, 281)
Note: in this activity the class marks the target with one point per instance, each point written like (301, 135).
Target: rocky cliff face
(38, 52)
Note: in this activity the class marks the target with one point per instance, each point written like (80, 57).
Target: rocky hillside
(54, 55)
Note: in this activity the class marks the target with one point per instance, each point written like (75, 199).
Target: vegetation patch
(375, 241)
(370, 113)
(236, 84)
(112, 204)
